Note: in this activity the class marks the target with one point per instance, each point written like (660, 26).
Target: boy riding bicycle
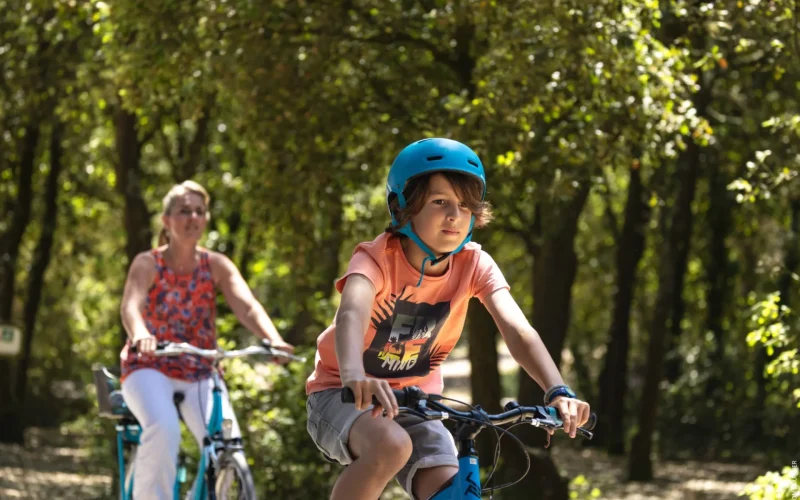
(404, 302)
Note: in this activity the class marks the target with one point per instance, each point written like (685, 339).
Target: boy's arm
(529, 351)
(352, 321)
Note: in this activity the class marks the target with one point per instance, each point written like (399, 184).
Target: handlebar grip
(349, 397)
(589, 425)
(159, 346)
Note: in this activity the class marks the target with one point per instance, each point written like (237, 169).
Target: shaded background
(641, 157)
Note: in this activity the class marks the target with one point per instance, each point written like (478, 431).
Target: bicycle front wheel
(234, 480)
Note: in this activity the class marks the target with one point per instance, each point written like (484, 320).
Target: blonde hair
(177, 190)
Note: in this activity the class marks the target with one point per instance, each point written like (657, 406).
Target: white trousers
(149, 394)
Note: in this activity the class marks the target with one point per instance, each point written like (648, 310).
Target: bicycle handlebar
(429, 406)
(173, 349)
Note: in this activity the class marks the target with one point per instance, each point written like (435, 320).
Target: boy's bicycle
(222, 472)
(466, 485)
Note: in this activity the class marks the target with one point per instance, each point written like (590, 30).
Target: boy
(404, 301)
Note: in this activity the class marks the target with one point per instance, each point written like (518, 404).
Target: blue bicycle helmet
(425, 157)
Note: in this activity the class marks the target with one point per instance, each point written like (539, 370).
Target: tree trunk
(190, 153)
(321, 269)
(246, 251)
(484, 374)
(136, 216)
(10, 243)
(11, 240)
(674, 360)
(640, 467)
(614, 375)
(41, 260)
(718, 273)
(554, 268)
(580, 367)
(791, 260)
(791, 263)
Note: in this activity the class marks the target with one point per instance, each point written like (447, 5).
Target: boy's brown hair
(468, 188)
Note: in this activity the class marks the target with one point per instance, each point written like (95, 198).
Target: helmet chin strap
(430, 255)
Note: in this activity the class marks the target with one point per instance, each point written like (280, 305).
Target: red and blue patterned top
(178, 308)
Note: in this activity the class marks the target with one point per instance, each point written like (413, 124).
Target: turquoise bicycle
(222, 472)
(466, 485)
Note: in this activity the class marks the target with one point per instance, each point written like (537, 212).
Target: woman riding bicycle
(169, 296)
(404, 302)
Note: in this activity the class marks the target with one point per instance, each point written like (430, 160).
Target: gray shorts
(330, 420)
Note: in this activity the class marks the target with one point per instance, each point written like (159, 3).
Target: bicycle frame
(128, 432)
(208, 454)
(218, 430)
(466, 484)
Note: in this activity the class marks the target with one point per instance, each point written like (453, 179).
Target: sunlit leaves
(781, 485)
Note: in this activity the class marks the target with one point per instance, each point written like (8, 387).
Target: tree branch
(200, 138)
(166, 150)
(609, 211)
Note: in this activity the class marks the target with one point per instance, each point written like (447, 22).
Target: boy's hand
(364, 388)
(574, 413)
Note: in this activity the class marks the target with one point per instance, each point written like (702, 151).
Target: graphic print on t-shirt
(405, 338)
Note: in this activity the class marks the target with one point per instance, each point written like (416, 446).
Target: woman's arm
(529, 351)
(243, 303)
(352, 321)
(140, 277)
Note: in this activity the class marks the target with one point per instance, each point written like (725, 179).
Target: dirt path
(51, 466)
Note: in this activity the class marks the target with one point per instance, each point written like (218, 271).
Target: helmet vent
(472, 163)
(434, 158)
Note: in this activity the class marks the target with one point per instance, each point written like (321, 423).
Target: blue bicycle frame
(466, 485)
(127, 432)
(208, 453)
(130, 432)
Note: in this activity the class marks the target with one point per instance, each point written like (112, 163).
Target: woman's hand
(574, 413)
(145, 344)
(280, 345)
(364, 388)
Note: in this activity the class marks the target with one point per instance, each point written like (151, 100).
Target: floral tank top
(178, 308)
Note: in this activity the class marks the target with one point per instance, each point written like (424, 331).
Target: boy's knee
(392, 451)
(389, 450)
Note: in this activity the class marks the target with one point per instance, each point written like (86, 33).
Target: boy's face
(444, 220)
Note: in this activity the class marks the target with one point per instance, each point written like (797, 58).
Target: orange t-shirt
(413, 329)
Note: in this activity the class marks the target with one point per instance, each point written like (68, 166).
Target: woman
(170, 296)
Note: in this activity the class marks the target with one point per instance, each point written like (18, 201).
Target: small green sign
(10, 340)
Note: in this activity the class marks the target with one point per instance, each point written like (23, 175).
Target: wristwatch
(558, 390)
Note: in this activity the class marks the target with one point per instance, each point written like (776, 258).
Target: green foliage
(581, 489)
(769, 320)
(270, 404)
(783, 485)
